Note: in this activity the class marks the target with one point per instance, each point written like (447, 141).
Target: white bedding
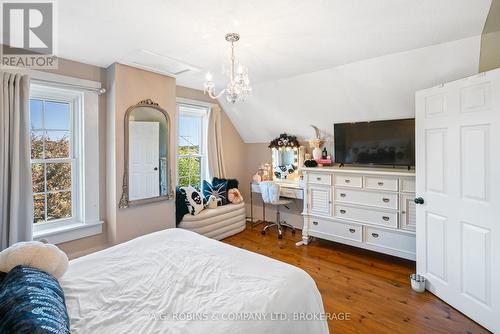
(141, 285)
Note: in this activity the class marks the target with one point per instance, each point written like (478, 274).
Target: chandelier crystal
(238, 87)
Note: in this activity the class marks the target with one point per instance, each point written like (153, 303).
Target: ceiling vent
(154, 62)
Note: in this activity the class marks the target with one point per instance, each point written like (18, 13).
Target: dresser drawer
(291, 193)
(369, 198)
(390, 240)
(317, 178)
(388, 219)
(407, 185)
(340, 230)
(345, 180)
(381, 183)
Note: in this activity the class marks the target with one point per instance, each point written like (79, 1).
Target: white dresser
(362, 207)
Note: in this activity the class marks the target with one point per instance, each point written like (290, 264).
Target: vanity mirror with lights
(287, 156)
(146, 176)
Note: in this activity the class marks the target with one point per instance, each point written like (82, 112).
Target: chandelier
(238, 87)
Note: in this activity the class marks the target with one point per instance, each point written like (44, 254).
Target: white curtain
(16, 201)
(214, 144)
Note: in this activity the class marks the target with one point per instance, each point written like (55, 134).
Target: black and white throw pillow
(194, 200)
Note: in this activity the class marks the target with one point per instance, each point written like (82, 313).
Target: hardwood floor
(372, 287)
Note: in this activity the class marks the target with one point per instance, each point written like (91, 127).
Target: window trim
(85, 157)
(74, 99)
(204, 154)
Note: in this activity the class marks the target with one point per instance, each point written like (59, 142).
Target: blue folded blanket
(32, 301)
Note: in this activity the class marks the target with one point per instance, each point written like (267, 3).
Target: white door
(458, 177)
(144, 174)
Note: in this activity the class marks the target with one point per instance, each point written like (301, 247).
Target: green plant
(189, 166)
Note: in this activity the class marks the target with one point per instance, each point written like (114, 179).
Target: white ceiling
(320, 55)
(280, 38)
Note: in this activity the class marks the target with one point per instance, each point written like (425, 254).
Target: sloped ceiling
(282, 41)
(377, 88)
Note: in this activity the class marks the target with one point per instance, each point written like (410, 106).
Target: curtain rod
(99, 91)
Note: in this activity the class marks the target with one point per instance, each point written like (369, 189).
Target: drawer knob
(381, 183)
(342, 211)
(347, 180)
(352, 230)
(385, 218)
(318, 179)
(315, 223)
(375, 235)
(386, 200)
(342, 195)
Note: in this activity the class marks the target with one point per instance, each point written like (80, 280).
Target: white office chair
(270, 192)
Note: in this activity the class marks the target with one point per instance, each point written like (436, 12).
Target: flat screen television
(390, 142)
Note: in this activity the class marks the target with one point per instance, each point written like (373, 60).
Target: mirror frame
(124, 200)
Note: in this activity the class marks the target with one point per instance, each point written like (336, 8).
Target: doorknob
(156, 168)
(419, 200)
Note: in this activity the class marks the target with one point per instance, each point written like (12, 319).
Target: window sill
(60, 234)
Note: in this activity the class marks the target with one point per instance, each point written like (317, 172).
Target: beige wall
(128, 86)
(490, 51)
(490, 40)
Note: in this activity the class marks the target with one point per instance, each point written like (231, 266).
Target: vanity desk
(288, 189)
(287, 155)
(371, 208)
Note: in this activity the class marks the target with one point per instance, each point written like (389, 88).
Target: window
(191, 150)
(64, 162)
(53, 158)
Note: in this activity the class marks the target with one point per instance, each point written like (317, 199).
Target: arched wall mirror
(146, 176)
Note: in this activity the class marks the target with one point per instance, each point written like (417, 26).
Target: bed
(176, 281)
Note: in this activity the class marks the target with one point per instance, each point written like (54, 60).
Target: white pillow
(46, 257)
(194, 200)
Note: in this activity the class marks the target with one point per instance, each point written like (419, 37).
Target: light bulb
(208, 76)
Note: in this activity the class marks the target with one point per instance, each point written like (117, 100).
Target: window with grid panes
(52, 159)
(191, 144)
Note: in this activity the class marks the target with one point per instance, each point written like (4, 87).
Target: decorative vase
(257, 178)
(316, 153)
